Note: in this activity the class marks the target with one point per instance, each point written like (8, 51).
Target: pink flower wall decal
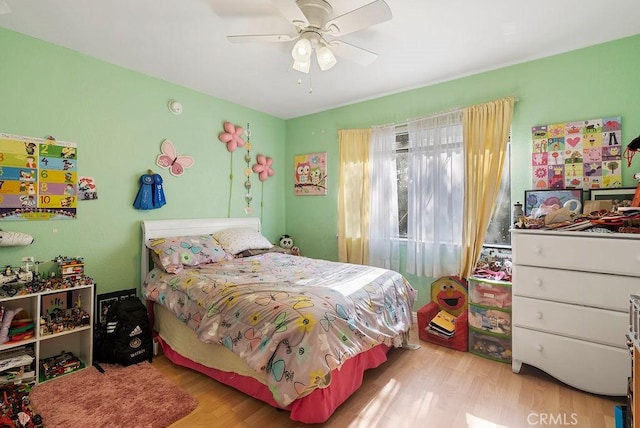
(231, 136)
(263, 167)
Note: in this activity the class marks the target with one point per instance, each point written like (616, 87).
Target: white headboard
(186, 227)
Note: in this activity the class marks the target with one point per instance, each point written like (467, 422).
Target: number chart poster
(579, 155)
(37, 178)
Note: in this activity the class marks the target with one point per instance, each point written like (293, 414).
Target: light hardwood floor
(429, 387)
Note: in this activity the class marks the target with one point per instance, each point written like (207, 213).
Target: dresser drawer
(590, 289)
(591, 367)
(584, 253)
(595, 325)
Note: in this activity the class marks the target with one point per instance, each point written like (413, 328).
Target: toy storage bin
(488, 292)
(493, 320)
(489, 345)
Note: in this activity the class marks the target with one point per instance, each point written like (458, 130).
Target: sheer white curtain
(436, 195)
(384, 248)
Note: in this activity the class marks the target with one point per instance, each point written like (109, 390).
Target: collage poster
(578, 155)
(37, 178)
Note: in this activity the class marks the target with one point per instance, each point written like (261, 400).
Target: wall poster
(38, 178)
(585, 154)
(310, 174)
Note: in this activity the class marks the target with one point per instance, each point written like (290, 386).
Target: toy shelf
(46, 341)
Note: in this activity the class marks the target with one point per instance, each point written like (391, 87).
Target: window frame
(402, 133)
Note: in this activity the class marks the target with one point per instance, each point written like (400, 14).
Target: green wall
(598, 81)
(118, 118)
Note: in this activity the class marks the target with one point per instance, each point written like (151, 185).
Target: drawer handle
(539, 348)
(539, 315)
(538, 250)
(539, 282)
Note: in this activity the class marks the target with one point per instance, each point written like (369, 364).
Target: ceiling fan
(312, 20)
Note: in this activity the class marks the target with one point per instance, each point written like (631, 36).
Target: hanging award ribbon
(158, 192)
(150, 194)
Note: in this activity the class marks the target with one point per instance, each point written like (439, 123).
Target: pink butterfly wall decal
(168, 158)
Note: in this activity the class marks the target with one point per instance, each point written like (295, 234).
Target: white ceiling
(426, 42)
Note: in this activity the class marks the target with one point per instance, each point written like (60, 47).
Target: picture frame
(104, 301)
(536, 201)
(53, 301)
(310, 174)
(619, 194)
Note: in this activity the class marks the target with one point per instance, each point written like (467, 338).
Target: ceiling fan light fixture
(302, 66)
(326, 58)
(302, 50)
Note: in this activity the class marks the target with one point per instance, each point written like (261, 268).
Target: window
(402, 150)
(498, 230)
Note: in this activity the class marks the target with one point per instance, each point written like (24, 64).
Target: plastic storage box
(488, 292)
(488, 345)
(493, 320)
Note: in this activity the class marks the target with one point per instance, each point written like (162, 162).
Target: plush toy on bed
(286, 242)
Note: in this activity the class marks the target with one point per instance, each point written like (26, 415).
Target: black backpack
(126, 337)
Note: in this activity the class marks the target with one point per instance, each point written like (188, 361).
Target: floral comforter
(294, 318)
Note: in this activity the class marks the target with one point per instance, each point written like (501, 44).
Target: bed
(295, 332)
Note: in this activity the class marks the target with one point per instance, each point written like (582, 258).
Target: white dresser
(571, 306)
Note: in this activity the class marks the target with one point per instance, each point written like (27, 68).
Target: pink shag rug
(135, 396)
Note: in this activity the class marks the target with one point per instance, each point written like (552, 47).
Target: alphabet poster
(38, 178)
(311, 174)
(586, 154)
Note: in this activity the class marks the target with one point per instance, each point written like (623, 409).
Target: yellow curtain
(485, 136)
(353, 196)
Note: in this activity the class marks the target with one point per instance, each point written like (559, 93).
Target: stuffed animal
(286, 242)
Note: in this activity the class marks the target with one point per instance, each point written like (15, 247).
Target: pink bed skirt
(316, 407)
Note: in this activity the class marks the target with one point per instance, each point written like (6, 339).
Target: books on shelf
(16, 365)
(443, 324)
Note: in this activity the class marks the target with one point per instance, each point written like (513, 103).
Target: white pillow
(238, 239)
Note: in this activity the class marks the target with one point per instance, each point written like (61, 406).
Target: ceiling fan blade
(366, 16)
(4, 7)
(290, 10)
(352, 53)
(260, 38)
